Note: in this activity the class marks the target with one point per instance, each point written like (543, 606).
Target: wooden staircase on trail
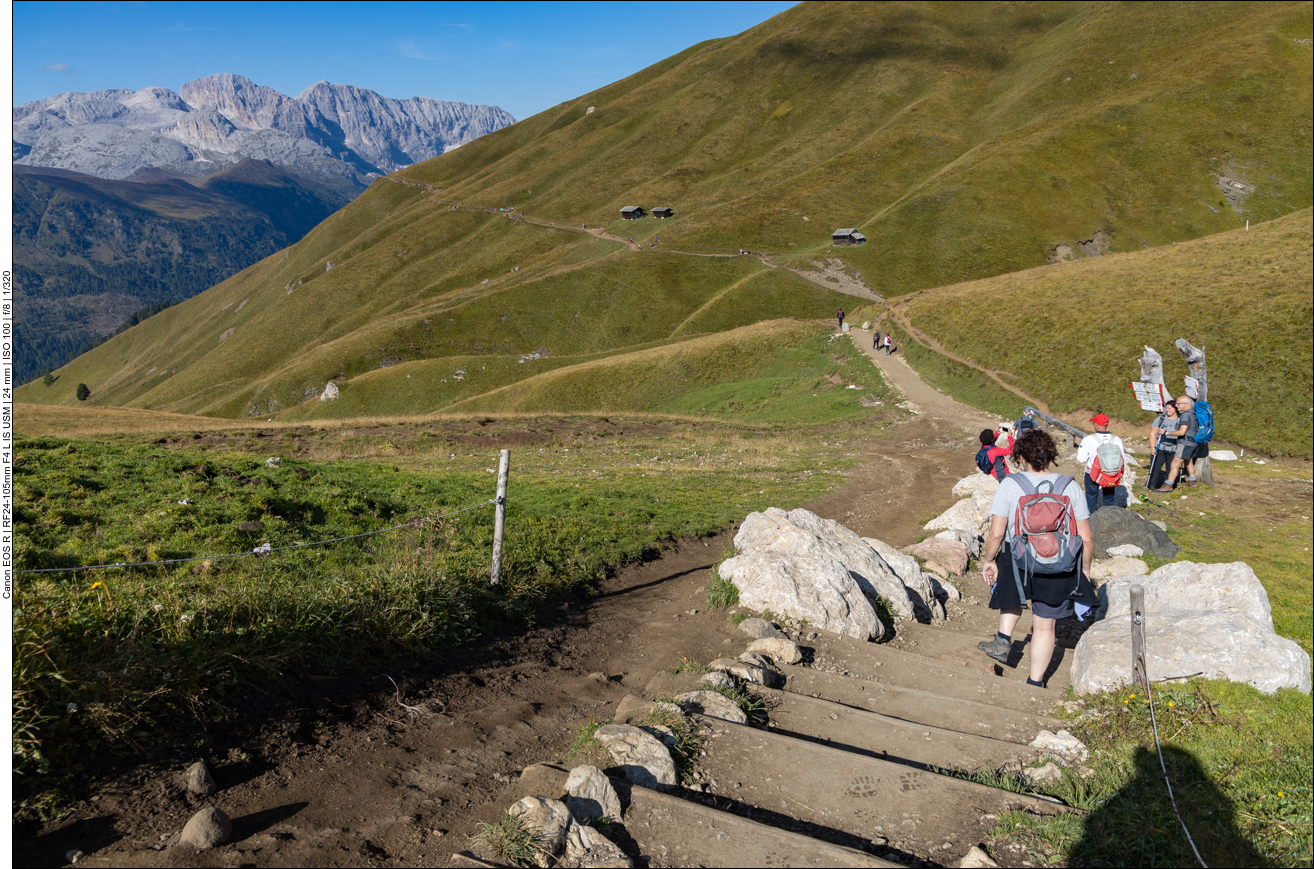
(851, 763)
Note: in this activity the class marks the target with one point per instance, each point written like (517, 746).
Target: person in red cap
(1107, 448)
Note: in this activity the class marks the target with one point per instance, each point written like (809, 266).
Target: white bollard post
(499, 521)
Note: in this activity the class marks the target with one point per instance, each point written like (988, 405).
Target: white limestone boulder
(1222, 455)
(911, 573)
(1210, 619)
(817, 588)
(962, 516)
(639, 754)
(802, 532)
(1119, 566)
(976, 484)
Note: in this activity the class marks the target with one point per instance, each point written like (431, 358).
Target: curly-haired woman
(1052, 596)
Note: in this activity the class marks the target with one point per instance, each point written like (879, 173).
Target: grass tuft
(512, 840)
(585, 745)
(721, 592)
(688, 739)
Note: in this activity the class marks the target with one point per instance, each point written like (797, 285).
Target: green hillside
(965, 140)
(1247, 297)
(88, 252)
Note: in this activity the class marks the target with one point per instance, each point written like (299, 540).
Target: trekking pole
(1160, 506)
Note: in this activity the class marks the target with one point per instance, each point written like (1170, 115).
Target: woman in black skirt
(1052, 596)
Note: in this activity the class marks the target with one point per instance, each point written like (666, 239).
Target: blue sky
(524, 57)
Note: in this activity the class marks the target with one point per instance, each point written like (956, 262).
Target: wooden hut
(663, 212)
(847, 236)
(632, 212)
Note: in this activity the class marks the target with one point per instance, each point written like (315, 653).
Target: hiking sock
(1002, 636)
(1031, 681)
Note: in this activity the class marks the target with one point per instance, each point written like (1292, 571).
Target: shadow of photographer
(1137, 826)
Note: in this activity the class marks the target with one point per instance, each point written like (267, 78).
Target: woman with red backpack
(1039, 549)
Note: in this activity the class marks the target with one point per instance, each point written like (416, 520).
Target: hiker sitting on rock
(1038, 549)
(1105, 459)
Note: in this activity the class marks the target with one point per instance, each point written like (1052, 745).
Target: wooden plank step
(666, 830)
(875, 735)
(959, 649)
(933, 817)
(909, 670)
(921, 707)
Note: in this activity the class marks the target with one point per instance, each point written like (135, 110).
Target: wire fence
(263, 549)
(1149, 696)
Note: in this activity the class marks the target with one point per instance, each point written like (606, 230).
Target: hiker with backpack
(1198, 437)
(1038, 549)
(1105, 459)
(1026, 423)
(995, 447)
(1187, 428)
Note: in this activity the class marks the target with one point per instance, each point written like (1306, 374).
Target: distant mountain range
(330, 129)
(130, 200)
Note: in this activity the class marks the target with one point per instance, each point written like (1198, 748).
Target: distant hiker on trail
(1038, 549)
(888, 345)
(841, 318)
(1163, 441)
(1025, 423)
(876, 339)
(1105, 459)
(1184, 433)
(995, 447)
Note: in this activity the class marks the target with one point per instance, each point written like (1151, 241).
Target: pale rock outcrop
(207, 828)
(801, 533)
(1211, 619)
(640, 755)
(971, 541)
(975, 858)
(962, 516)
(717, 679)
(1061, 744)
(976, 484)
(1119, 566)
(910, 572)
(753, 674)
(759, 628)
(951, 554)
(330, 392)
(817, 588)
(589, 795)
(1222, 455)
(1125, 549)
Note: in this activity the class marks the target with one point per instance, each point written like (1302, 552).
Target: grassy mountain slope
(967, 140)
(90, 251)
(1247, 297)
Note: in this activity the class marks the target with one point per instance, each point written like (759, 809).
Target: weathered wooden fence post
(499, 520)
(1195, 360)
(1137, 637)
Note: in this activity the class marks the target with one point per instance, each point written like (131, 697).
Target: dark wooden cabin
(632, 212)
(663, 212)
(847, 236)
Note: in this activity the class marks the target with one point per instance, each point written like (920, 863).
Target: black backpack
(1024, 425)
(981, 461)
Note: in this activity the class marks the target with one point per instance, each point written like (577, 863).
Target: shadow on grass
(1136, 826)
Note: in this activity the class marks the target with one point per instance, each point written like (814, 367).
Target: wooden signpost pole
(1195, 360)
(499, 517)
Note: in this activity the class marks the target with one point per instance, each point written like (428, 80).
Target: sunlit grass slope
(966, 140)
(1070, 334)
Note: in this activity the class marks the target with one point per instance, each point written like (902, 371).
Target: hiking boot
(1163, 489)
(1190, 483)
(998, 648)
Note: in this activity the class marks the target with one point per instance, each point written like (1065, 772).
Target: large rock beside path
(803, 533)
(1119, 566)
(712, 704)
(780, 650)
(950, 554)
(963, 516)
(1208, 619)
(1115, 526)
(976, 484)
(586, 848)
(640, 755)
(817, 588)
(760, 629)
(910, 572)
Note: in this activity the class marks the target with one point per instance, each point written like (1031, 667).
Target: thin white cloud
(410, 49)
(462, 26)
(58, 68)
(179, 27)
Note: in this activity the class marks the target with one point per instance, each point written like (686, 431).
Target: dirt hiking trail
(336, 772)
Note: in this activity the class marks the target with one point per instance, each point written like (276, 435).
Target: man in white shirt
(1095, 496)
